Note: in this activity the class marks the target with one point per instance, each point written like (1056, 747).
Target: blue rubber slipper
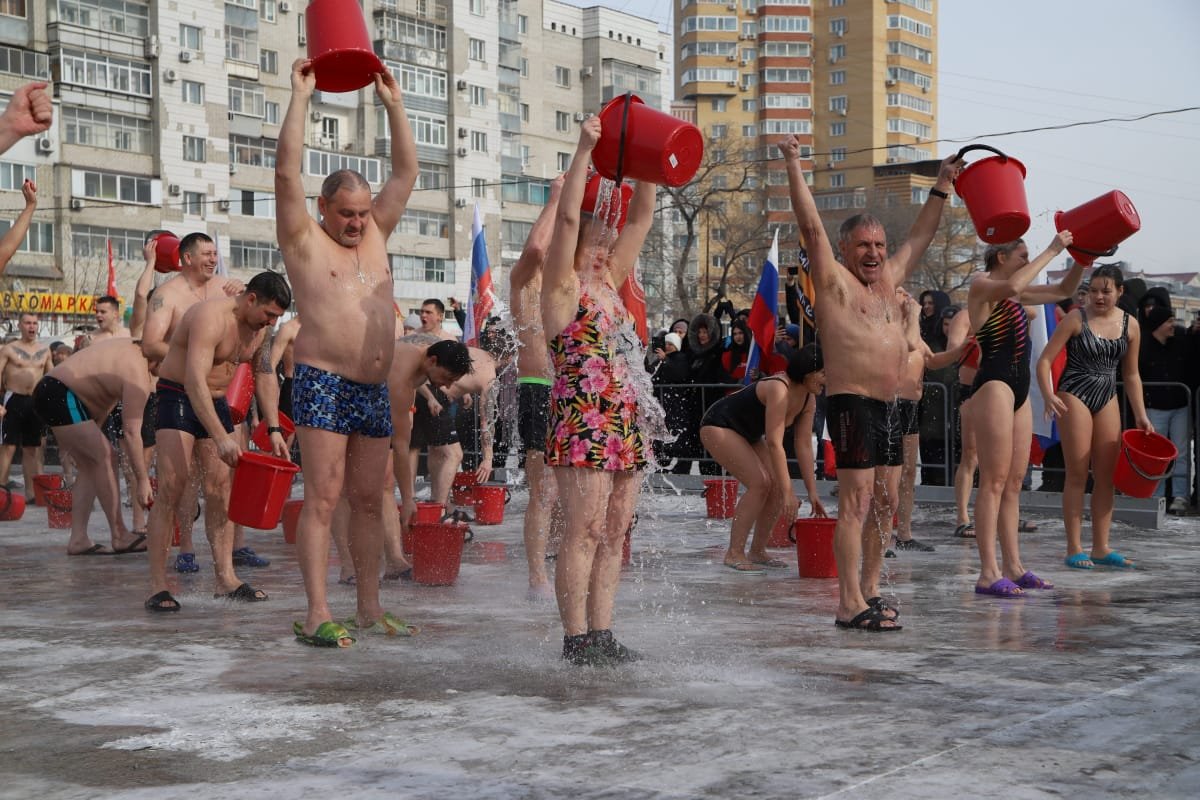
(1114, 559)
(1079, 560)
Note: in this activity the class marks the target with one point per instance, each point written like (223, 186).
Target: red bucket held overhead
(642, 143)
(239, 393)
(994, 192)
(12, 505)
(166, 251)
(814, 547)
(58, 508)
(262, 439)
(340, 46)
(591, 195)
(261, 484)
(720, 497)
(437, 552)
(1098, 226)
(1144, 460)
(489, 503)
(44, 483)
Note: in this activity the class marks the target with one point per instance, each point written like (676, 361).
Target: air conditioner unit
(586, 72)
(731, 57)
(324, 141)
(745, 62)
(889, 82)
(233, 168)
(185, 55)
(833, 59)
(892, 159)
(924, 90)
(462, 152)
(841, 112)
(222, 205)
(284, 6)
(169, 75)
(460, 202)
(462, 86)
(76, 204)
(151, 46)
(731, 83)
(316, 116)
(44, 145)
(462, 133)
(580, 116)
(173, 189)
(731, 7)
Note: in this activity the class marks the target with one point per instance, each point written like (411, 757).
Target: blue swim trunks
(332, 403)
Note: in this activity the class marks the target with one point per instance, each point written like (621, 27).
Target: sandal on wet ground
(186, 562)
(163, 601)
(389, 624)
(884, 606)
(327, 634)
(94, 550)
(965, 531)
(1027, 527)
(871, 620)
(1080, 560)
(136, 546)
(245, 557)
(399, 575)
(350, 581)
(914, 544)
(245, 593)
(1001, 588)
(1031, 581)
(746, 568)
(1114, 559)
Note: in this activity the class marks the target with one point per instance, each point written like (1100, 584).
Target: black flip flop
(133, 547)
(870, 621)
(244, 593)
(94, 550)
(156, 603)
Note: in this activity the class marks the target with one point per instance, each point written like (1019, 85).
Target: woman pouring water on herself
(744, 433)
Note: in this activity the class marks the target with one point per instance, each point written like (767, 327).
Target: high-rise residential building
(167, 117)
(854, 79)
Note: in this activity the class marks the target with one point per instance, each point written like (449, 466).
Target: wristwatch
(274, 429)
(939, 193)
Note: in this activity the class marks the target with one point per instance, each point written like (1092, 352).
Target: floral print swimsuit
(593, 404)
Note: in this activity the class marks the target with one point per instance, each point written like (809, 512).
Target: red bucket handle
(1133, 466)
(1097, 253)
(971, 147)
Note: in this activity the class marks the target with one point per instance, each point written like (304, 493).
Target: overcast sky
(1035, 63)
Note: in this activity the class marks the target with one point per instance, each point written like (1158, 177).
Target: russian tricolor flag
(763, 312)
(481, 297)
(1045, 431)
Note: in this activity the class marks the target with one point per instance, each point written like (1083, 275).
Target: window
(564, 161)
(719, 104)
(900, 22)
(13, 175)
(268, 61)
(903, 152)
(783, 203)
(249, 203)
(837, 26)
(12, 8)
(718, 131)
(562, 77)
(433, 176)
(838, 103)
(322, 163)
(103, 129)
(909, 76)
(836, 3)
(717, 234)
(524, 112)
(266, 10)
(191, 38)
(749, 131)
(522, 24)
(128, 17)
(421, 268)
(562, 121)
(837, 180)
(271, 113)
(749, 106)
(910, 127)
(478, 187)
(477, 7)
(426, 129)
(479, 96)
(709, 74)
(837, 154)
(252, 152)
(26, 63)
(787, 49)
(331, 133)
(911, 51)
(193, 148)
(193, 93)
(794, 75)
(479, 141)
(719, 182)
(106, 73)
(477, 49)
(514, 232)
(837, 53)
(89, 241)
(718, 156)
(420, 80)
(246, 98)
(901, 100)
(710, 23)
(425, 223)
(722, 49)
(785, 24)
(193, 204)
(785, 126)
(920, 5)
(241, 34)
(837, 77)
(257, 256)
(524, 67)
(787, 101)
(837, 129)
(40, 236)
(98, 185)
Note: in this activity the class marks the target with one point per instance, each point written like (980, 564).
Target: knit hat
(793, 331)
(1156, 316)
(674, 339)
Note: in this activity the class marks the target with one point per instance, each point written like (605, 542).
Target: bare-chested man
(209, 343)
(343, 281)
(866, 350)
(108, 320)
(435, 420)
(22, 365)
(534, 378)
(70, 400)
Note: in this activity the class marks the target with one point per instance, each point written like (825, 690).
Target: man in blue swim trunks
(862, 331)
(343, 282)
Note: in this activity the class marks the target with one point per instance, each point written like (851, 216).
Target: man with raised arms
(343, 282)
(866, 350)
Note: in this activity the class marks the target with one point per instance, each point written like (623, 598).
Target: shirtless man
(208, 344)
(22, 365)
(435, 418)
(70, 399)
(862, 328)
(534, 377)
(343, 282)
(108, 320)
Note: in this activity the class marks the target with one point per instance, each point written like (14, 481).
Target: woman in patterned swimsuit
(1098, 339)
(999, 408)
(594, 444)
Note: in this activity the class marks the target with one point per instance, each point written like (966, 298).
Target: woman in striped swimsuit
(1099, 339)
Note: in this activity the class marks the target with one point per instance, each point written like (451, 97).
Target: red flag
(111, 291)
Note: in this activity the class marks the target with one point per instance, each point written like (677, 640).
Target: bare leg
(7, 452)
(216, 475)
(367, 470)
(741, 460)
(907, 489)
(855, 488)
(584, 494)
(185, 510)
(1106, 436)
(992, 421)
(1010, 502)
(339, 526)
(877, 525)
(174, 467)
(443, 463)
(324, 457)
(543, 492)
(964, 475)
(606, 569)
(31, 464)
(96, 479)
(1075, 430)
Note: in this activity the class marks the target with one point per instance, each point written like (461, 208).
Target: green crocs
(327, 634)
(389, 625)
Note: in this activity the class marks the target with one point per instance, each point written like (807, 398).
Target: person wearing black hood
(736, 355)
(670, 378)
(706, 369)
(932, 406)
(1165, 354)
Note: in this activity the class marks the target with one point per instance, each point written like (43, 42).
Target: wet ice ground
(748, 690)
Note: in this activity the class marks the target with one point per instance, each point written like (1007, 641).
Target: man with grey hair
(862, 330)
(339, 270)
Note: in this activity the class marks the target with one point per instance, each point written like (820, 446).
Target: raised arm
(141, 293)
(29, 111)
(637, 225)
(292, 220)
(16, 234)
(986, 290)
(826, 273)
(1052, 293)
(393, 197)
(559, 284)
(538, 241)
(909, 254)
(159, 316)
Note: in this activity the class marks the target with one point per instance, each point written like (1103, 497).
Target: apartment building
(168, 114)
(856, 80)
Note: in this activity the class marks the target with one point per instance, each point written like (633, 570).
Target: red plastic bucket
(239, 393)
(58, 508)
(591, 195)
(462, 491)
(644, 144)
(1145, 459)
(43, 482)
(261, 484)
(781, 534)
(262, 439)
(12, 505)
(291, 519)
(994, 192)
(1098, 226)
(166, 252)
(436, 552)
(489, 504)
(429, 512)
(814, 547)
(720, 497)
(340, 46)
(830, 459)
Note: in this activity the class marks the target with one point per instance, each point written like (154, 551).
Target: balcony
(409, 53)
(432, 10)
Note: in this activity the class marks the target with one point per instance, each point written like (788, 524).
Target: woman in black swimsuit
(744, 433)
(999, 407)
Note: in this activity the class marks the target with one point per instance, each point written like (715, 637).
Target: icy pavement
(748, 690)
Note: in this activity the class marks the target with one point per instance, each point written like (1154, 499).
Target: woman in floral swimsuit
(594, 443)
